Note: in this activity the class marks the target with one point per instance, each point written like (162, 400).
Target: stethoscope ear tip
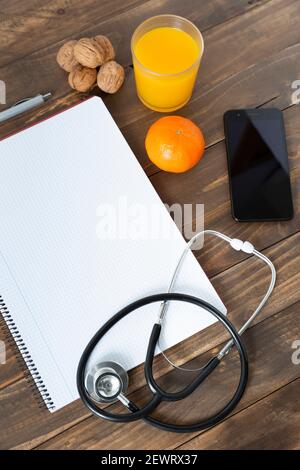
(105, 381)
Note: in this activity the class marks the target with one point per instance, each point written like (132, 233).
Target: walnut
(65, 56)
(107, 46)
(110, 77)
(89, 53)
(82, 78)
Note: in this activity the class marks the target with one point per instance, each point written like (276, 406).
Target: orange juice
(166, 61)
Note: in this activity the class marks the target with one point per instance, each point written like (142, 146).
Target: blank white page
(60, 278)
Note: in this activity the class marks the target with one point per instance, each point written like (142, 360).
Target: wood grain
(18, 74)
(38, 24)
(251, 57)
(267, 373)
(270, 424)
(119, 28)
(213, 94)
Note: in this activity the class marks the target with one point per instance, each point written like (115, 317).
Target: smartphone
(258, 165)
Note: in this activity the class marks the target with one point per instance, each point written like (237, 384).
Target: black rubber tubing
(174, 396)
(142, 413)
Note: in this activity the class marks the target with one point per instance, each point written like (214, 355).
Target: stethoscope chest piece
(105, 381)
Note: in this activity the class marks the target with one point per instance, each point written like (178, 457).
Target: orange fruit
(174, 144)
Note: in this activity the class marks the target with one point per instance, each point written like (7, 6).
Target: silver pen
(23, 106)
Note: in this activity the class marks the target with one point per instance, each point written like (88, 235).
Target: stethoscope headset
(107, 382)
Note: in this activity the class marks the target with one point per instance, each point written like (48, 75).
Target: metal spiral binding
(24, 359)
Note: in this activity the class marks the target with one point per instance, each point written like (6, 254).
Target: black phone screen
(258, 165)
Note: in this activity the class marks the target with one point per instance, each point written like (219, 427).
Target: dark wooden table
(252, 56)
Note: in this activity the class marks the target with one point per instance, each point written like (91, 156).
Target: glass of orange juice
(166, 53)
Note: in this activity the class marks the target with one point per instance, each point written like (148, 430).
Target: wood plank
(18, 75)
(252, 79)
(119, 28)
(211, 96)
(26, 27)
(251, 278)
(270, 369)
(36, 422)
(270, 424)
(252, 93)
(12, 370)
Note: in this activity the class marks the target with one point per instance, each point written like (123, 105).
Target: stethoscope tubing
(158, 393)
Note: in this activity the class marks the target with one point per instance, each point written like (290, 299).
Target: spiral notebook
(72, 252)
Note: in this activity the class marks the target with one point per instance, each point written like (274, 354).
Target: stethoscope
(107, 382)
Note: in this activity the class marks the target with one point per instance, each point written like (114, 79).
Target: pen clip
(19, 102)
